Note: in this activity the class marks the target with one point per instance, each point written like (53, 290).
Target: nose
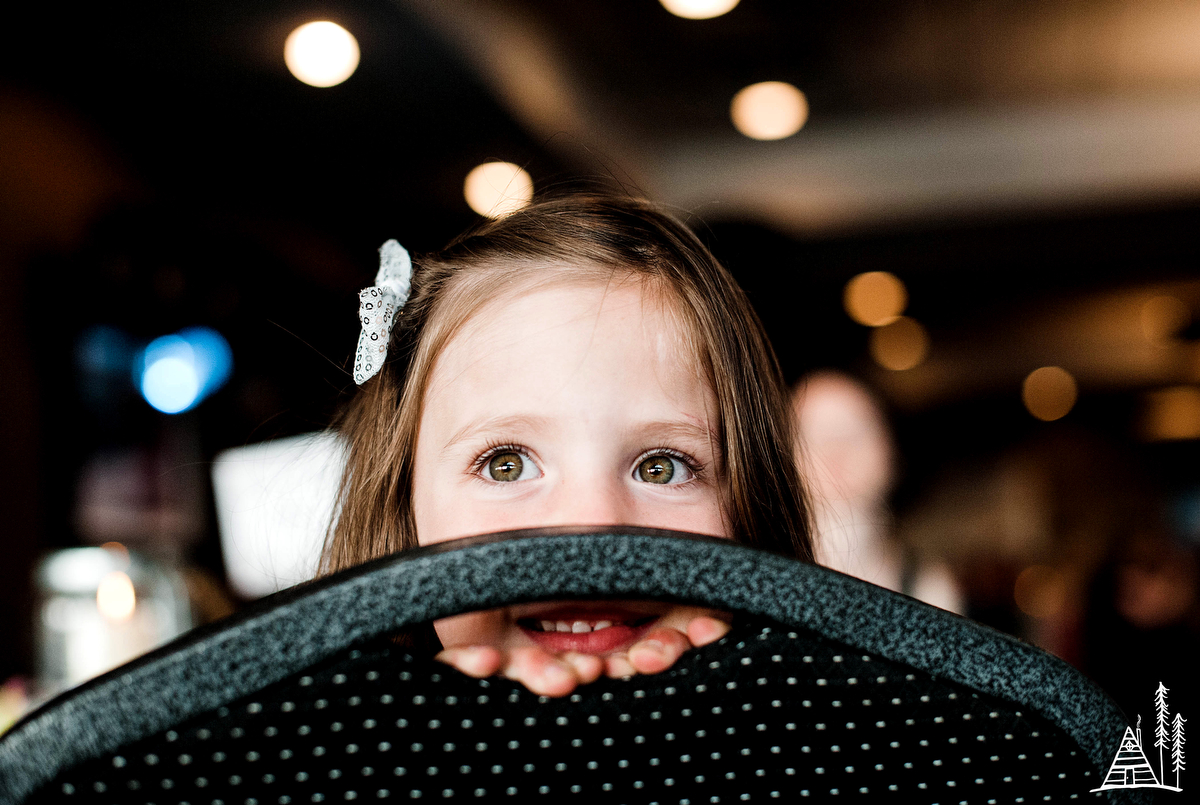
(592, 500)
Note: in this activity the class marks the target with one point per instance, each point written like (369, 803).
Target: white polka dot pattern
(767, 713)
(377, 309)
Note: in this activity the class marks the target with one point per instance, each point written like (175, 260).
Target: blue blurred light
(212, 355)
(170, 385)
(178, 371)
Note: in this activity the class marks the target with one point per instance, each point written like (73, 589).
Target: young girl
(584, 361)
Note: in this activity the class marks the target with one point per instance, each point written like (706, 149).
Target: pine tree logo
(1131, 769)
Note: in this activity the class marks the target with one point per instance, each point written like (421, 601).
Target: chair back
(826, 687)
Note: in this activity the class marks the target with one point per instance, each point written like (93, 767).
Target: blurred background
(970, 229)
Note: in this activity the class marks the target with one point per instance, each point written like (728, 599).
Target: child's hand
(547, 674)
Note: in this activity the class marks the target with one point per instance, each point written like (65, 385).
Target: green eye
(656, 470)
(505, 467)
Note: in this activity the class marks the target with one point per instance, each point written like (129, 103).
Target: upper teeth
(575, 626)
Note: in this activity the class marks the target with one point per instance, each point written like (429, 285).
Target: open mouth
(575, 628)
(579, 626)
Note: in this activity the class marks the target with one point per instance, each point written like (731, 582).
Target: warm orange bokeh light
(699, 9)
(901, 345)
(115, 597)
(770, 110)
(321, 54)
(875, 298)
(1172, 414)
(1049, 393)
(1163, 317)
(1040, 591)
(497, 189)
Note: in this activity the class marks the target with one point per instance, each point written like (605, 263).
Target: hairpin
(377, 309)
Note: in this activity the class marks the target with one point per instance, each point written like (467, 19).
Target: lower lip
(604, 641)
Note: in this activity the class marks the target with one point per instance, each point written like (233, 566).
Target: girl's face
(568, 405)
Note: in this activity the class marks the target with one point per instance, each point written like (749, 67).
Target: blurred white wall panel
(274, 501)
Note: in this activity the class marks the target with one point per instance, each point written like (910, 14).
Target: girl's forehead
(631, 299)
(613, 331)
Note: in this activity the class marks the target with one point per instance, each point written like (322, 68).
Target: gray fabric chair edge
(294, 629)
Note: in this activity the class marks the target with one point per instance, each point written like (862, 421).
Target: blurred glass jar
(100, 608)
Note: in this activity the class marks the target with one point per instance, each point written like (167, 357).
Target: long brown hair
(568, 237)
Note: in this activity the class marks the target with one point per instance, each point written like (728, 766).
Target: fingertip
(475, 661)
(647, 658)
(704, 630)
(617, 666)
(541, 672)
(557, 678)
(658, 651)
(588, 667)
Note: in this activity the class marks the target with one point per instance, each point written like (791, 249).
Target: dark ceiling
(193, 102)
(161, 159)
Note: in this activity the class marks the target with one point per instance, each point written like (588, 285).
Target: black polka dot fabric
(769, 713)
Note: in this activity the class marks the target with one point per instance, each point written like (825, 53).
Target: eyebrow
(678, 429)
(501, 423)
(674, 429)
(670, 429)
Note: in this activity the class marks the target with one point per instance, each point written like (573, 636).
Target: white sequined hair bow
(377, 309)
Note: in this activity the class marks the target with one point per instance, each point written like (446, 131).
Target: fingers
(587, 667)
(547, 675)
(541, 672)
(535, 668)
(704, 630)
(617, 666)
(661, 648)
(658, 650)
(476, 661)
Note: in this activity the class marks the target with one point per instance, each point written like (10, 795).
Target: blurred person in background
(847, 454)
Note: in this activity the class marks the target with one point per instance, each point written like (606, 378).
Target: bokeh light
(321, 54)
(1172, 414)
(875, 298)
(170, 384)
(1164, 317)
(698, 9)
(212, 356)
(497, 189)
(1040, 591)
(770, 110)
(1049, 393)
(177, 371)
(901, 345)
(115, 597)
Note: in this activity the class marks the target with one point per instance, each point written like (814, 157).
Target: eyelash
(692, 465)
(495, 449)
(498, 448)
